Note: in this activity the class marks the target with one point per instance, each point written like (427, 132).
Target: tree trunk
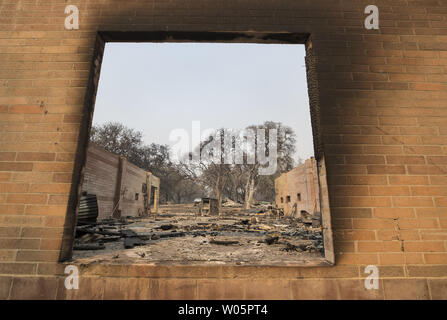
(246, 196)
(219, 203)
(235, 194)
(251, 192)
(218, 193)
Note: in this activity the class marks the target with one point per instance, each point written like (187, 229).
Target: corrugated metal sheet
(88, 209)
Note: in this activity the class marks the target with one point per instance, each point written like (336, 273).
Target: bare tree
(206, 165)
(215, 165)
(119, 139)
(285, 148)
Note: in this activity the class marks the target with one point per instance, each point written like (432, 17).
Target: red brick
(90, 288)
(11, 209)
(50, 188)
(48, 210)
(35, 156)
(27, 198)
(7, 156)
(373, 224)
(418, 223)
(379, 246)
(260, 289)
(173, 289)
(355, 290)
(394, 213)
(216, 289)
(385, 169)
(389, 190)
(5, 285)
(424, 246)
(16, 166)
(34, 288)
(438, 288)
(314, 289)
(408, 180)
(357, 258)
(405, 160)
(413, 201)
(12, 243)
(37, 255)
(428, 191)
(414, 289)
(27, 109)
(392, 258)
(436, 258)
(428, 86)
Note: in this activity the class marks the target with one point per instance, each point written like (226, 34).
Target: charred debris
(231, 227)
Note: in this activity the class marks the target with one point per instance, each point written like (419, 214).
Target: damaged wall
(298, 187)
(131, 198)
(101, 178)
(119, 185)
(382, 96)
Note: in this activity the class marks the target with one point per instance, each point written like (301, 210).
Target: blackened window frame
(102, 38)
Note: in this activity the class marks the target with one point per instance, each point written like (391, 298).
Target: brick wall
(101, 178)
(300, 186)
(382, 98)
(111, 177)
(132, 200)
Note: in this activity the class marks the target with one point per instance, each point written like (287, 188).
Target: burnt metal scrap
(88, 209)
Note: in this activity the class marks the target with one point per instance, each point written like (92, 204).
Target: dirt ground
(178, 236)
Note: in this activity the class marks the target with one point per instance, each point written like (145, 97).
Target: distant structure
(121, 188)
(207, 206)
(297, 191)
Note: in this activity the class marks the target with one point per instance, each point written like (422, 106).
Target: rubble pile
(236, 236)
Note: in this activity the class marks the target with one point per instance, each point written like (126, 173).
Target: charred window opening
(257, 214)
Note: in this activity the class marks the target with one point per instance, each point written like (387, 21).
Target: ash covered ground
(178, 235)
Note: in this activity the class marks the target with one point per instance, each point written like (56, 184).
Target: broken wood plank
(89, 246)
(224, 242)
(129, 243)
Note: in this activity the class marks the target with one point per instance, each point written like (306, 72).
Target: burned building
(297, 191)
(121, 188)
(381, 94)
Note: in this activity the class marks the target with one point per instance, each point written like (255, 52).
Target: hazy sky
(158, 87)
